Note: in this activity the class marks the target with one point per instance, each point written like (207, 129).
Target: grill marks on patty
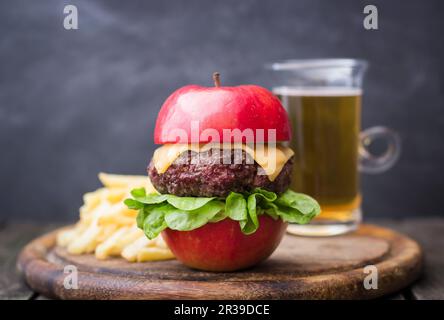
(208, 176)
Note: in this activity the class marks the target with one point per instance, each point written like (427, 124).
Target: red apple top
(195, 114)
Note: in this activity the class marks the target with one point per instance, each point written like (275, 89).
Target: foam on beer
(317, 91)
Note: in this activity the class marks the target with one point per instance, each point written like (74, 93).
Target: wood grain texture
(12, 240)
(301, 268)
(430, 235)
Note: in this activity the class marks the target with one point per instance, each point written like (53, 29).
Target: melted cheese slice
(270, 158)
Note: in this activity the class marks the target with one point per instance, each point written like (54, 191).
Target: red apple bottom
(222, 246)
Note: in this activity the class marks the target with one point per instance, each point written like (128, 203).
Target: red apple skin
(218, 108)
(222, 246)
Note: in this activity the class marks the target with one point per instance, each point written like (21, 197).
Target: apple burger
(222, 176)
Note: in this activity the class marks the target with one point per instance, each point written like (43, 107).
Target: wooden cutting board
(301, 268)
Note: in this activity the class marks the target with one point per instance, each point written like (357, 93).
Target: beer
(326, 125)
(323, 100)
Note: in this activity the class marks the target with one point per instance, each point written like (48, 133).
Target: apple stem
(216, 79)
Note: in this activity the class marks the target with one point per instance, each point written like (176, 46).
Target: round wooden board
(301, 268)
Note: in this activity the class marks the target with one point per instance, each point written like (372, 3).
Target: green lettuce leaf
(154, 198)
(236, 207)
(300, 202)
(155, 221)
(187, 203)
(182, 220)
(160, 211)
(221, 215)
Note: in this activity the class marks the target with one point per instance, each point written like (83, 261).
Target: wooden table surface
(429, 232)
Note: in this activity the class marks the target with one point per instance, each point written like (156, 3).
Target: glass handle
(370, 163)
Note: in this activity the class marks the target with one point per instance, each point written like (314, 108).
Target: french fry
(66, 236)
(86, 242)
(116, 219)
(160, 243)
(105, 233)
(108, 228)
(125, 181)
(115, 196)
(118, 214)
(131, 251)
(153, 254)
(133, 234)
(112, 245)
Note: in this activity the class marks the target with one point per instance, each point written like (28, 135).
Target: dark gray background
(73, 103)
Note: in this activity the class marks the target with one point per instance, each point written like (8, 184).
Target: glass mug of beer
(323, 101)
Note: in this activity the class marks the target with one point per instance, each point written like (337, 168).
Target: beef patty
(205, 175)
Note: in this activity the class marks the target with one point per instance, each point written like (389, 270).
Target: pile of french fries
(108, 228)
